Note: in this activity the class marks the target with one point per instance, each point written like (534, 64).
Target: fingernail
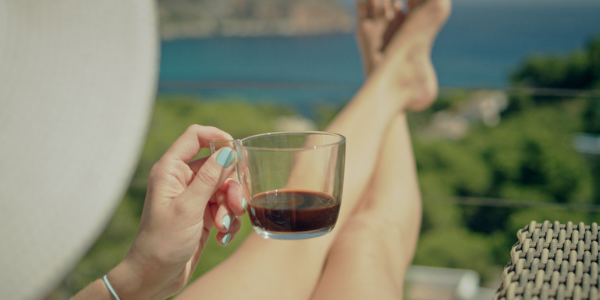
(252, 211)
(226, 222)
(226, 238)
(225, 157)
(244, 204)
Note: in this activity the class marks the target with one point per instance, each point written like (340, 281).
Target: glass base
(300, 235)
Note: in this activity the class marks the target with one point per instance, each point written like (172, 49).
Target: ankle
(410, 84)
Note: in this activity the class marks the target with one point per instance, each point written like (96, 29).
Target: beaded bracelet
(110, 288)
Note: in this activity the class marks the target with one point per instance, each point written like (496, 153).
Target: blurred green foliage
(527, 158)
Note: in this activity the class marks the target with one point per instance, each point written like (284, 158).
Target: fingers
(227, 224)
(210, 193)
(233, 199)
(227, 208)
(224, 238)
(224, 205)
(209, 177)
(196, 137)
(197, 164)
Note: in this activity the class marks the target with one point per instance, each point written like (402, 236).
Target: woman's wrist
(94, 291)
(120, 283)
(110, 288)
(124, 281)
(128, 282)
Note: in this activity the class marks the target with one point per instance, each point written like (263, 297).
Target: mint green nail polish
(226, 222)
(225, 157)
(226, 238)
(244, 204)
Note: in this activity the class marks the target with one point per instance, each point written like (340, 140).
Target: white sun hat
(77, 86)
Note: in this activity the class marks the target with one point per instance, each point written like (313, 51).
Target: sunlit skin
(378, 158)
(365, 256)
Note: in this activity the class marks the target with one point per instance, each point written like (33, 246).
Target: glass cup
(291, 181)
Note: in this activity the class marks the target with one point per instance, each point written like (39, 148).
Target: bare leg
(372, 252)
(370, 256)
(272, 269)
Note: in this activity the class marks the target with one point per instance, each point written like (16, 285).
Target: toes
(423, 23)
(376, 9)
(392, 28)
(361, 9)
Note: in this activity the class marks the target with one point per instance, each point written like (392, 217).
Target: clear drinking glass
(292, 181)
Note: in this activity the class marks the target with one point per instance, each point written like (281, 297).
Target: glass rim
(341, 140)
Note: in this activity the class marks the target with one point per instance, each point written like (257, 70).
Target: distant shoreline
(192, 32)
(252, 18)
(478, 47)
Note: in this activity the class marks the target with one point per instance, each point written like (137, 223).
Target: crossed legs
(380, 214)
(370, 256)
(375, 246)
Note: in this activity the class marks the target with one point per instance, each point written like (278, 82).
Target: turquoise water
(479, 47)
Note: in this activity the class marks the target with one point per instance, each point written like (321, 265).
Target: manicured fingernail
(244, 204)
(252, 211)
(226, 222)
(226, 238)
(225, 157)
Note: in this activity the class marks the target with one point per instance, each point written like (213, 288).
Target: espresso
(293, 211)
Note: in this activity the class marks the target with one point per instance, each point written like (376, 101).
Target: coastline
(184, 19)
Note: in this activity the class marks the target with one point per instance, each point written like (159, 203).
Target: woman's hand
(184, 202)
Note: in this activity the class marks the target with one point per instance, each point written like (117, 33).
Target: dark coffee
(293, 211)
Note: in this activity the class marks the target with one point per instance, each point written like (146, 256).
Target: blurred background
(513, 137)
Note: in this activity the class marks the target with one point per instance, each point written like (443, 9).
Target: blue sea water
(480, 45)
(313, 68)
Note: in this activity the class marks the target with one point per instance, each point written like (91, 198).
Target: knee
(361, 235)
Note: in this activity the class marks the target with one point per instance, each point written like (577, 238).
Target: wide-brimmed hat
(77, 85)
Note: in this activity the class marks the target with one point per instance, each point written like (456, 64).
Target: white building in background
(587, 143)
(483, 106)
(432, 283)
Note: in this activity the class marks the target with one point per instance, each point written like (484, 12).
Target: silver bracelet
(110, 288)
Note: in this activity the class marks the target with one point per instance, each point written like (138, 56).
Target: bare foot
(378, 20)
(397, 46)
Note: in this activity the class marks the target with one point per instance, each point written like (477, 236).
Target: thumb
(207, 179)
